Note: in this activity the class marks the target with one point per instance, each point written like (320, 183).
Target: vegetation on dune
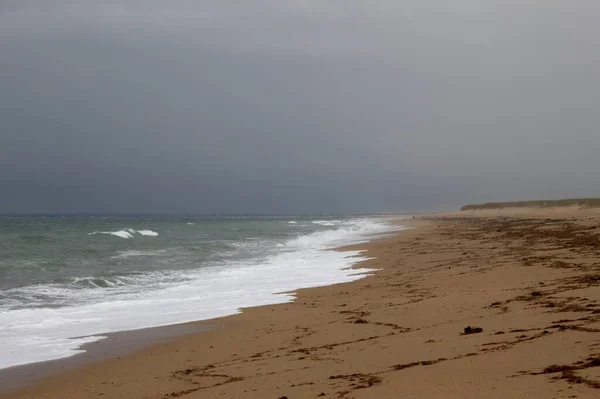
(587, 202)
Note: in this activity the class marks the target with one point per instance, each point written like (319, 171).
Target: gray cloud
(313, 106)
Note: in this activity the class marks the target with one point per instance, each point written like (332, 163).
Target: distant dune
(584, 202)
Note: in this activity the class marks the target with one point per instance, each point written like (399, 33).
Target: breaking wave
(326, 222)
(149, 233)
(126, 233)
(84, 308)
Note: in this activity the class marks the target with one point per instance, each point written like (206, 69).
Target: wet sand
(113, 346)
(530, 279)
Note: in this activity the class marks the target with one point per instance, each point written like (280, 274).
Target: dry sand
(529, 279)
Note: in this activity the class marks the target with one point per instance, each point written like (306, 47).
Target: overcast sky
(269, 106)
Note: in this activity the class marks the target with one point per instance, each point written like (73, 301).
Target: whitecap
(326, 222)
(126, 233)
(133, 253)
(120, 233)
(149, 233)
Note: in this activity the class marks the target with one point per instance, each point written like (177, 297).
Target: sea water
(65, 281)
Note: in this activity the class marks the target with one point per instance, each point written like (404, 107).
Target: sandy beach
(529, 279)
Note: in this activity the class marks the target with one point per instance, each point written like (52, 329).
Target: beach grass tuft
(581, 202)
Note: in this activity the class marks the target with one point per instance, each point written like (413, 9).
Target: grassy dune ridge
(584, 202)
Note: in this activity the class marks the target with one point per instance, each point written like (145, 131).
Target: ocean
(65, 281)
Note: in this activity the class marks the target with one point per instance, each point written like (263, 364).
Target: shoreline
(123, 343)
(528, 279)
(113, 346)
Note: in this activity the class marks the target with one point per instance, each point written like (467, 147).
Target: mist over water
(64, 281)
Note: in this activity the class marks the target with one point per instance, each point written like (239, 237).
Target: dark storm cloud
(312, 106)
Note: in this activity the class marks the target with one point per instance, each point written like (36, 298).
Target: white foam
(134, 252)
(326, 222)
(148, 233)
(121, 233)
(351, 232)
(170, 297)
(292, 222)
(127, 233)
